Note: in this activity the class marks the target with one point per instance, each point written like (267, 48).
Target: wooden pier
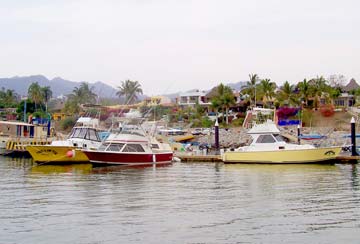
(199, 158)
(348, 159)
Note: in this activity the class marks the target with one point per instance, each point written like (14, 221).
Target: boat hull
(316, 155)
(57, 154)
(120, 158)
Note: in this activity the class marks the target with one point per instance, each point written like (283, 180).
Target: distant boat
(172, 132)
(349, 135)
(311, 136)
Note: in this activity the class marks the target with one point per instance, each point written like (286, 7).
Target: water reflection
(60, 169)
(17, 162)
(281, 167)
(354, 177)
(85, 168)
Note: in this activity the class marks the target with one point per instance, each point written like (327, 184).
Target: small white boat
(268, 146)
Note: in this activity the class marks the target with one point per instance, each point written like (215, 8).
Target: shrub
(68, 123)
(327, 110)
(237, 122)
(206, 122)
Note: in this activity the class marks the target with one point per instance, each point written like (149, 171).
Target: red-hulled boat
(131, 148)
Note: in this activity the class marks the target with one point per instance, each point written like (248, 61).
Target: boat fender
(176, 159)
(70, 154)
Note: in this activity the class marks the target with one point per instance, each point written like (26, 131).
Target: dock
(348, 159)
(199, 158)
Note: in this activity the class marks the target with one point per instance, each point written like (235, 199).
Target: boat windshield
(279, 138)
(85, 133)
(265, 139)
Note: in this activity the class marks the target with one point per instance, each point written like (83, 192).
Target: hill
(59, 86)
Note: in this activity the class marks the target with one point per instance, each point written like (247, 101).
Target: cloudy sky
(172, 45)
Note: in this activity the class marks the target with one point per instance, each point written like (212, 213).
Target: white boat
(85, 134)
(268, 146)
(132, 146)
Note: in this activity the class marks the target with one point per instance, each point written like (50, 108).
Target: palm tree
(267, 88)
(251, 86)
(129, 89)
(287, 93)
(35, 94)
(80, 95)
(305, 90)
(8, 98)
(223, 98)
(87, 93)
(318, 86)
(46, 94)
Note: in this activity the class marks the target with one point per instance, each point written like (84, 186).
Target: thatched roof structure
(353, 85)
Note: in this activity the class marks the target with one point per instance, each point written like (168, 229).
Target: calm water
(183, 203)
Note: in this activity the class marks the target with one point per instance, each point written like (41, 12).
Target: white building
(192, 97)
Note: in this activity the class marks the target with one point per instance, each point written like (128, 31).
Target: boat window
(76, 133)
(156, 146)
(115, 147)
(265, 139)
(82, 133)
(103, 146)
(133, 148)
(279, 138)
(91, 135)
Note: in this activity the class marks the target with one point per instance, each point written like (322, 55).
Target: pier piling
(353, 138)
(217, 136)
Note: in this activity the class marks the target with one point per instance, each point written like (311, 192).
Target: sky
(171, 45)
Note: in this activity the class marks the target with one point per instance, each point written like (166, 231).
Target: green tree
(334, 92)
(287, 94)
(46, 94)
(267, 89)
(8, 98)
(305, 91)
(129, 89)
(223, 98)
(318, 86)
(250, 87)
(35, 94)
(80, 95)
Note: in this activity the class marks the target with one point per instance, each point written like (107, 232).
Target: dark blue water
(182, 203)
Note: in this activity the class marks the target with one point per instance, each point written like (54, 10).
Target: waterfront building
(192, 98)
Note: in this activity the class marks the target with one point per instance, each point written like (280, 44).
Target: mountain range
(59, 86)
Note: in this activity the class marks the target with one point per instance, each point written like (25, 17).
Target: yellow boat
(84, 135)
(268, 146)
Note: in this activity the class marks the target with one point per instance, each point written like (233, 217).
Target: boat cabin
(22, 130)
(267, 137)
